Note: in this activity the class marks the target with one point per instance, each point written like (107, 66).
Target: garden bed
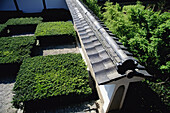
(13, 50)
(51, 79)
(17, 26)
(55, 33)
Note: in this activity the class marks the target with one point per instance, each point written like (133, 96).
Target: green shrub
(92, 4)
(55, 28)
(15, 49)
(24, 21)
(2, 26)
(42, 77)
(143, 31)
(161, 88)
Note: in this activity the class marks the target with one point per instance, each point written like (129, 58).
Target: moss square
(24, 21)
(43, 77)
(55, 28)
(15, 49)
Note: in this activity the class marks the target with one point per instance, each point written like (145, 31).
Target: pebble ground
(6, 86)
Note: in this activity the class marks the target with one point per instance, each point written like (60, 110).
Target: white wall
(7, 5)
(107, 92)
(31, 6)
(56, 4)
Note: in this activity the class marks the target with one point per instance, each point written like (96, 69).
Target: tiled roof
(108, 57)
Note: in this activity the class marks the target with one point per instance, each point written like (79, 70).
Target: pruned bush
(44, 77)
(15, 49)
(55, 28)
(24, 21)
(2, 26)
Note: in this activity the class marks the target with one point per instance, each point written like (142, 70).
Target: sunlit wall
(31, 6)
(7, 5)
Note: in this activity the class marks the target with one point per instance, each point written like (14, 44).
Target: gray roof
(108, 57)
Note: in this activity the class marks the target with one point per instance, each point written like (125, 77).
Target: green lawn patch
(55, 28)
(44, 77)
(15, 49)
(24, 21)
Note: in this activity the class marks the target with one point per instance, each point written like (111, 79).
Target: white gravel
(60, 50)
(6, 96)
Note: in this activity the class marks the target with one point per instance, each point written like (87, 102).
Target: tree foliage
(143, 31)
(92, 4)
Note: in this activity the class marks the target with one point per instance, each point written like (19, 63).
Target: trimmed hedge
(55, 28)
(15, 49)
(24, 21)
(2, 26)
(44, 77)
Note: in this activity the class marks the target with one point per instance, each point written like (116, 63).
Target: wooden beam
(16, 5)
(44, 4)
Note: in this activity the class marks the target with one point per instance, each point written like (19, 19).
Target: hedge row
(55, 28)
(54, 75)
(15, 49)
(2, 26)
(24, 21)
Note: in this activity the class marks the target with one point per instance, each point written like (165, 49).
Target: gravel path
(6, 86)
(60, 50)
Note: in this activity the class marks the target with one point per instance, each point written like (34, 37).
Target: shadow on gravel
(8, 72)
(142, 99)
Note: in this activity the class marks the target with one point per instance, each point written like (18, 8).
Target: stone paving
(60, 50)
(6, 86)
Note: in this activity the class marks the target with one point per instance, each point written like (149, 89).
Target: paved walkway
(6, 86)
(60, 50)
